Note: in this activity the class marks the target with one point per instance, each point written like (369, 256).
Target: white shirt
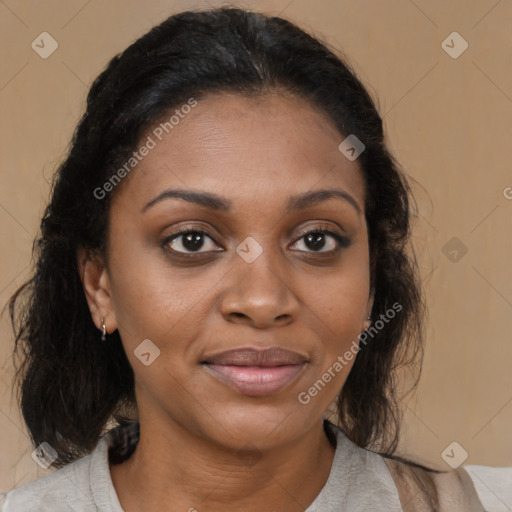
(359, 481)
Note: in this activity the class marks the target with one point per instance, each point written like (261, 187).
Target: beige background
(448, 121)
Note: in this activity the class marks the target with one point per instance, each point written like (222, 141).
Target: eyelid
(319, 227)
(324, 226)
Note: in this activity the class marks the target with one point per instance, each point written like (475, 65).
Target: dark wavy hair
(70, 386)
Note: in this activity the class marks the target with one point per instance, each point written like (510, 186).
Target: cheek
(339, 303)
(342, 326)
(157, 302)
(341, 298)
(340, 323)
(152, 305)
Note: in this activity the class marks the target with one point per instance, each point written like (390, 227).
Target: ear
(97, 289)
(368, 311)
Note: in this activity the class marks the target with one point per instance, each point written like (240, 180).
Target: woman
(223, 258)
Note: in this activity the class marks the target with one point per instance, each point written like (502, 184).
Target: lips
(253, 357)
(255, 372)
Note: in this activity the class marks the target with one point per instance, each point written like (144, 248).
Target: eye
(322, 240)
(190, 241)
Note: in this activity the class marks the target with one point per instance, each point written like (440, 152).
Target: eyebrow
(217, 203)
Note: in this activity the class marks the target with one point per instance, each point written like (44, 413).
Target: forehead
(248, 149)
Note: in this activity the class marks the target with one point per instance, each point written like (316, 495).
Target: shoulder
(468, 487)
(66, 489)
(494, 486)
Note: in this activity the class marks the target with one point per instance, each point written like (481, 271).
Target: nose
(259, 294)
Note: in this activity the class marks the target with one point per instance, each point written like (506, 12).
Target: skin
(256, 153)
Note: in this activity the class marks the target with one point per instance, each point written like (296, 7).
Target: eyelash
(343, 242)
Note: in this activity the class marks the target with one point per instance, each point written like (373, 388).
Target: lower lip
(256, 380)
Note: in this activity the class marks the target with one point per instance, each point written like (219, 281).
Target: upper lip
(256, 357)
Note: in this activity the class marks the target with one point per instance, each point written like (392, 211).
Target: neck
(176, 466)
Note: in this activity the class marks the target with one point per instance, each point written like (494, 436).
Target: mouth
(256, 372)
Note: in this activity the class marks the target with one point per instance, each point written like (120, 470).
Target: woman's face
(230, 266)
